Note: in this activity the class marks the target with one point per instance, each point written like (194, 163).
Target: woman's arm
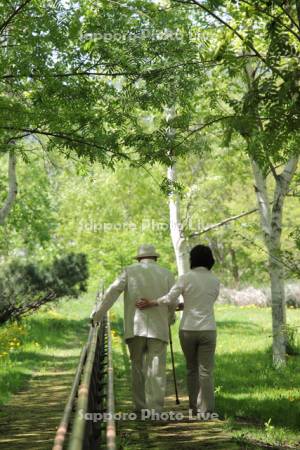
(169, 299)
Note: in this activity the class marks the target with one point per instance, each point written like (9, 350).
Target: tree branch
(288, 173)
(236, 33)
(290, 17)
(222, 223)
(272, 169)
(65, 137)
(211, 122)
(201, 127)
(263, 11)
(13, 15)
(68, 74)
(149, 72)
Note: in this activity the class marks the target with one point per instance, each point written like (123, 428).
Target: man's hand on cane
(180, 306)
(92, 318)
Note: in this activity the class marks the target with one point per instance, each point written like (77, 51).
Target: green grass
(259, 402)
(42, 341)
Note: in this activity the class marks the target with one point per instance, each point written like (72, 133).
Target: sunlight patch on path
(30, 419)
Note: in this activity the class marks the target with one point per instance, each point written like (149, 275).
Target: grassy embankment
(48, 339)
(259, 402)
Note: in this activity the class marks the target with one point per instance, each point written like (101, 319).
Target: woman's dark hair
(201, 256)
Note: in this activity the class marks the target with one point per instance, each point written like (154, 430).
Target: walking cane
(173, 367)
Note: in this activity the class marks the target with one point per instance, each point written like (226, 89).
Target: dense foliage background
(76, 207)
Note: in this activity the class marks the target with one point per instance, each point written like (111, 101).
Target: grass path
(30, 419)
(164, 435)
(36, 376)
(42, 369)
(259, 403)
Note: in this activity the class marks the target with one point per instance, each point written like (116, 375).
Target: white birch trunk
(12, 163)
(271, 222)
(262, 201)
(12, 187)
(179, 241)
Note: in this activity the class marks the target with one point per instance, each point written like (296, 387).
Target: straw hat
(146, 251)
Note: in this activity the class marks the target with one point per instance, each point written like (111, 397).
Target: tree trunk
(271, 222)
(278, 305)
(179, 241)
(234, 266)
(12, 187)
(263, 202)
(283, 182)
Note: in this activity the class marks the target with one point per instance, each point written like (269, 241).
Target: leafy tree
(24, 287)
(31, 223)
(81, 77)
(108, 214)
(103, 95)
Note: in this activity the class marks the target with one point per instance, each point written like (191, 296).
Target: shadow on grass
(30, 419)
(252, 389)
(135, 435)
(239, 327)
(247, 385)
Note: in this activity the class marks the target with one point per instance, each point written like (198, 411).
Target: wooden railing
(88, 419)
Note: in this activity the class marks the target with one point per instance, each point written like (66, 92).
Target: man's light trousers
(148, 362)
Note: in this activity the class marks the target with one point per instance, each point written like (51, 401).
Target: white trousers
(148, 363)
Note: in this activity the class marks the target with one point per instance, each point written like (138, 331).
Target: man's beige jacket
(145, 279)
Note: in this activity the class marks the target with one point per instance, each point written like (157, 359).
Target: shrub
(25, 287)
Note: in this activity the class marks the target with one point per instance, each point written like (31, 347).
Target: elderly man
(145, 331)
